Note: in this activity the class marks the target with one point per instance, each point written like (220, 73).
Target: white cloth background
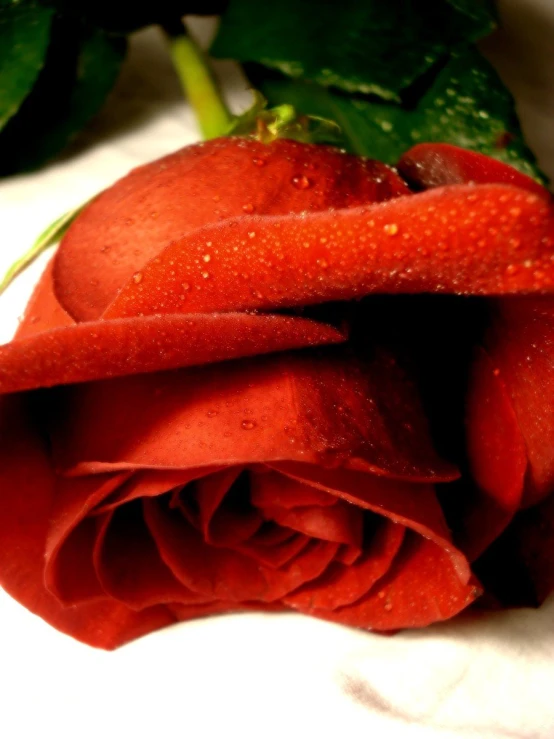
(253, 675)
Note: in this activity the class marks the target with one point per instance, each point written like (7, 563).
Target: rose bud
(179, 437)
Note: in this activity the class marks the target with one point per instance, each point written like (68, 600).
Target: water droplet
(252, 234)
(211, 414)
(248, 208)
(105, 248)
(258, 162)
(301, 182)
(248, 425)
(216, 198)
(322, 263)
(515, 212)
(391, 229)
(137, 277)
(207, 258)
(205, 275)
(185, 286)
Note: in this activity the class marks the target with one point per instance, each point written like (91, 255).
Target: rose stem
(198, 82)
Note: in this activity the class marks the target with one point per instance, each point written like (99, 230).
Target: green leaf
(81, 67)
(24, 34)
(377, 47)
(122, 16)
(466, 104)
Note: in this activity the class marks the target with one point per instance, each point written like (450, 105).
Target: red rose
(203, 448)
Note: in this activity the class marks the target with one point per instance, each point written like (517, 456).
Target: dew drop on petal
(137, 277)
(207, 258)
(205, 275)
(248, 424)
(391, 229)
(248, 208)
(301, 182)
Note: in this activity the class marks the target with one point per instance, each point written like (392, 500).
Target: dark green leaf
(81, 67)
(24, 32)
(122, 16)
(466, 104)
(377, 47)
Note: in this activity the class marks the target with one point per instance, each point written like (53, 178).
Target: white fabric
(263, 676)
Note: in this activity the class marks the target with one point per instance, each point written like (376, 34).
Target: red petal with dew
(96, 350)
(461, 239)
(325, 407)
(132, 221)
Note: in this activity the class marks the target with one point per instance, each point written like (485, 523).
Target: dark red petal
(413, 506)
(272, 489)
(341, 523)
(520, 343)
(68, 567)
(422, 587)
(435, 165)
(223, 573)
(213, 572)
(340, 584)
(461, 239)
(226, 516)
(43, 312)
(134, 220)
(325, 407)
(148, 484)
(27, 486)
(129, 566)
(497, 456)
(265, 550)
(533, 539)
(92, 351)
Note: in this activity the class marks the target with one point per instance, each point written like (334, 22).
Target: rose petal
(339, 522)
(413, 506)
(129, 566)
(422, 587)
(445, 240)
(25, 468)
(43, 312)
(131, 222)
(224, 573)
(226, 516)
(520, 345)
(269, 551)
(327, 407)
(96, 350)
(497, 456)
(340, 584)
(435, 165)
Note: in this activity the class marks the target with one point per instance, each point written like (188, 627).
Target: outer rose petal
(435, 165)
(27, 478)
(100, 349)
(325, 407)
(421, 587)
(446, 240)
(43, 311)
(520, 343)
(133, 220)
(72, 537)
(497, 456)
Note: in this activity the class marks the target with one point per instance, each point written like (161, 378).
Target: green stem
(198, 83)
